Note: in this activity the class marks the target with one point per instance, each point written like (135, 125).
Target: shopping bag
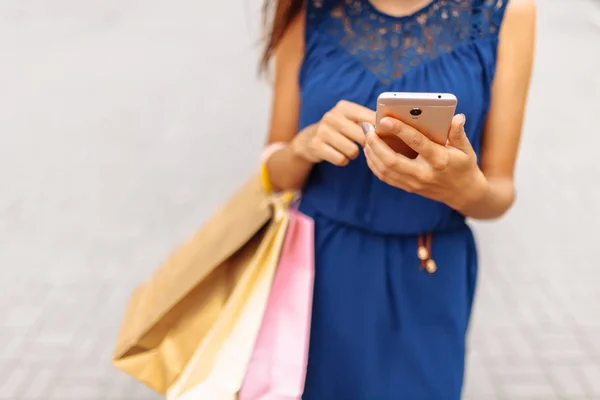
(171, 314)
(216, 370)
(277, 368)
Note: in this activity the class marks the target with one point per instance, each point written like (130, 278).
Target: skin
(399, 8)
(449, 173)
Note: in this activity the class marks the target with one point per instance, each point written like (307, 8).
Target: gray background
(116, 143)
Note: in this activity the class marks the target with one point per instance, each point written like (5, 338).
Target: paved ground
(115, 143)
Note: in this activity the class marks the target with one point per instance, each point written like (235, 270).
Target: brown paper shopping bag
(217, 369)
(170, 315)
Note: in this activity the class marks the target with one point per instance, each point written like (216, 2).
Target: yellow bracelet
(264, 158)
(264, 178)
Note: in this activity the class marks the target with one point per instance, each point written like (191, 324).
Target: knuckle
(416, 186)
(440, 163)
(390, 163)
(424, 177)
(320, 125)
(459, 134)
(328, 116)
(318, 136)
(321, 133)
(370, 140)
(385, 171)
(341, 161)
(314, 149)
(410, 188)
(402, 129)
(315, 143)
(416, 140)
(342, 104)
(353, 153)
(335, 159)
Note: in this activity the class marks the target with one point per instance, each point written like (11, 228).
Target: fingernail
(366, 127)
(463, 120)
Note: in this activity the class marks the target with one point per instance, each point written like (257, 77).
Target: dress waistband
(451, 225)
(424, 239)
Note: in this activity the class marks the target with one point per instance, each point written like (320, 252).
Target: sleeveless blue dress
(383, 327)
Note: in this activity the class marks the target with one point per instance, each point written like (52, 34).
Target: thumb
(389, 125)
(457, 137)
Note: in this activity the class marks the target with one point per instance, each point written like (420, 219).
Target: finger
(339, 142)
(356, 112)
(376, 165)
(457, 137)
(412, 137)
(389, 157)
(388, 176)
(373, 165)
(374, 162)
(327, 153)
(345, 126)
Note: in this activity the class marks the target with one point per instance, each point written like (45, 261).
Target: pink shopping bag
(277, 368)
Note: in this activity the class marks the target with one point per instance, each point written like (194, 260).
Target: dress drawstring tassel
(424, 253)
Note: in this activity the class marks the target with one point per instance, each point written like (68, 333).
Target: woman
(396, 263)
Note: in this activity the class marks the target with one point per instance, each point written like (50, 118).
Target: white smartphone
(429, 113)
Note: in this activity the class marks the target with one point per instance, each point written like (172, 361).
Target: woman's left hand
(448, 174)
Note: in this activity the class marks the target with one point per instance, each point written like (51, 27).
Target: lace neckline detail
(391, 46)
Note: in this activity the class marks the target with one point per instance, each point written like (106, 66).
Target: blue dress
(383, 327)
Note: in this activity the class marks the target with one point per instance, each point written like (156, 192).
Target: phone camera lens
(440, 96)
(416, 111)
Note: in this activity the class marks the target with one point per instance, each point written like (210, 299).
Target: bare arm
(502, 132)
(287, 169)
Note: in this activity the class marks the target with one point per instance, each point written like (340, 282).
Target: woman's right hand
(337, 137)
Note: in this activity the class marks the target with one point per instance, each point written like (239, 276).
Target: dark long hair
(276, 22)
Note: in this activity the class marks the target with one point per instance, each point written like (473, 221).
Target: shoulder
(519, 18)
(516, 45)
(517, 33)
(521, 8)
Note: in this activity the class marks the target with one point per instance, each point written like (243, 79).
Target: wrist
(295, 147)
(271, 149)
(476, 192)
